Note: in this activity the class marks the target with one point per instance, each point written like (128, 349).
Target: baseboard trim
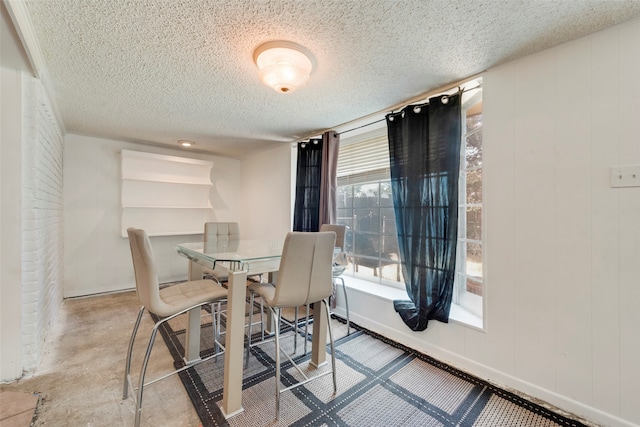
(121, 287)
(536, 394)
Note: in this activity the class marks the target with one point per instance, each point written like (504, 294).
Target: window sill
(458, 314)
(461, 315)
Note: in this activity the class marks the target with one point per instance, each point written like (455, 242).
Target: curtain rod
(421, 97)
(383, 119)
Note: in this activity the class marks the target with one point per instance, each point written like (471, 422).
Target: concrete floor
(80, 378)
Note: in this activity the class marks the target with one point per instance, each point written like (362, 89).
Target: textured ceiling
(157, 71)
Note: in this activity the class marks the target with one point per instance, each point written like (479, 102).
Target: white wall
(97, 258)
(13, 61)
(10, 225)
(42, 221)
(564, 246)
(562, 271)
(31, 223)
(266, 194)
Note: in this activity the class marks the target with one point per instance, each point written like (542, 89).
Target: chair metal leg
(346, 303)
(248, 349)
(219, 315)
(306, 330)
(261, 319)
(215, 324)
(250, 326)
(277, 331)
(143, 371)
(147, 356)
(277, 314)
(127, 369)
(295, 331)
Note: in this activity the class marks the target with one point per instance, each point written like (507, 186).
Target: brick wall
(42, 234)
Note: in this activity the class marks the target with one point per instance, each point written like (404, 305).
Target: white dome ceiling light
(284, 66)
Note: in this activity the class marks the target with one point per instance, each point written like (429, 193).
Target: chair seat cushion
(340, 263)
(337, 270)
(220, 272)
(183, 295)
(266, 291)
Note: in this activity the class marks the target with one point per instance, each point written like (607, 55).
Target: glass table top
(240, 253)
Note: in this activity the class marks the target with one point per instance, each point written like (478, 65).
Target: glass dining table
(242, 257)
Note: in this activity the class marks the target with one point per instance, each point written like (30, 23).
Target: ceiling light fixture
(186, 143)
(284, 66)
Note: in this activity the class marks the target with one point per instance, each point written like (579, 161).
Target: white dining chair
(304, 277)
(339, 266)
(166, 303)
(227, 233)
(220, 232)
(339, 263)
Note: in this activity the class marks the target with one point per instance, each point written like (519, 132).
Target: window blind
(362, 161)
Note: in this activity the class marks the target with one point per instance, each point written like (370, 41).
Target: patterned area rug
(380, 383)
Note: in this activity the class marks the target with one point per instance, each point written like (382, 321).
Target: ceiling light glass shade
(284, 66)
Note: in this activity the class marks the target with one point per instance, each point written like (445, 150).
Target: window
(468, 286)
(365, 206)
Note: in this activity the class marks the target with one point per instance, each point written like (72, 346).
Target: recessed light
(186, 143)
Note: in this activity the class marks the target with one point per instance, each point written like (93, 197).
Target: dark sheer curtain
(306, 211)
(316, 183)
(424, 149)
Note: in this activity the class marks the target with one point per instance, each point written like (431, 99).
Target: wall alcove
(165, 195)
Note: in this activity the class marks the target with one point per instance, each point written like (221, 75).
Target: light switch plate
(625, 176)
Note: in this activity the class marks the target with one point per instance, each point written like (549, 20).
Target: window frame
(467, 300)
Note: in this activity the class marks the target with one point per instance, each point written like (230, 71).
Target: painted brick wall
(42, 232)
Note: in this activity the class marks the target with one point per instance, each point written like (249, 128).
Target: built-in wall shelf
(165, 195)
